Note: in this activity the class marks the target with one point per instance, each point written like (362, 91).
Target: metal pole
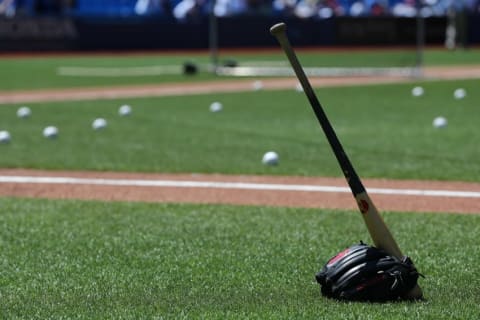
(420, 40)
(213, 37)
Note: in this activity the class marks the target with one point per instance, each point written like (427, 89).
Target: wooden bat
(378, 230)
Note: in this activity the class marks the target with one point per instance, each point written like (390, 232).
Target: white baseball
(216, 107)
(299, 87)
(270, 158)
(4, 136)
(257, 85)
(459, 93)
(418, 91)
(50, 132)
(440, 122)
(124, 110)
(24, 112)
(99, 124)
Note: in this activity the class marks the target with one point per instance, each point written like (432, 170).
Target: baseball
(99, 124)
(124, 110)
(4, 136)
(50, 132)
(459, 93)
(440, 122)
(270, 158)
(418, 91)
(24, 112)
(299, 87)
(216, 107)
(257, 85)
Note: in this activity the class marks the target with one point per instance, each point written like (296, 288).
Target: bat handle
(279, 31)
(278, 28)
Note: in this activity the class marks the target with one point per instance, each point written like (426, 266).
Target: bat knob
(278, 28)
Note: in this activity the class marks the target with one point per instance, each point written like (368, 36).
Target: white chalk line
(233, 185)
(116, 72)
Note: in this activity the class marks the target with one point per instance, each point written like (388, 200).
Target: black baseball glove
(365, 273)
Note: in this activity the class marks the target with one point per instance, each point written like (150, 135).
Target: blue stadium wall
(54, 34)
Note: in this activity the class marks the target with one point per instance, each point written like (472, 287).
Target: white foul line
(233, 185)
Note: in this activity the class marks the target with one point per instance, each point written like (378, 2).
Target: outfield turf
(94, 260)
(387, 133)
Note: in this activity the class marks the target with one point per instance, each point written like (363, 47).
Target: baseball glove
(365, 273)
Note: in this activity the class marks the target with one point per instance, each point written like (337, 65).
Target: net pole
(420, 39)
(213, 36)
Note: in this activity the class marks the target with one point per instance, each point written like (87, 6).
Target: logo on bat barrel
(363, 205)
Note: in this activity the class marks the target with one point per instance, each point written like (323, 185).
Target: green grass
(94, 260)
(386, 132)
(42, 71)
(452, 57)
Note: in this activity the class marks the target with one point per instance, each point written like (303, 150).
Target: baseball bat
(378, 230)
